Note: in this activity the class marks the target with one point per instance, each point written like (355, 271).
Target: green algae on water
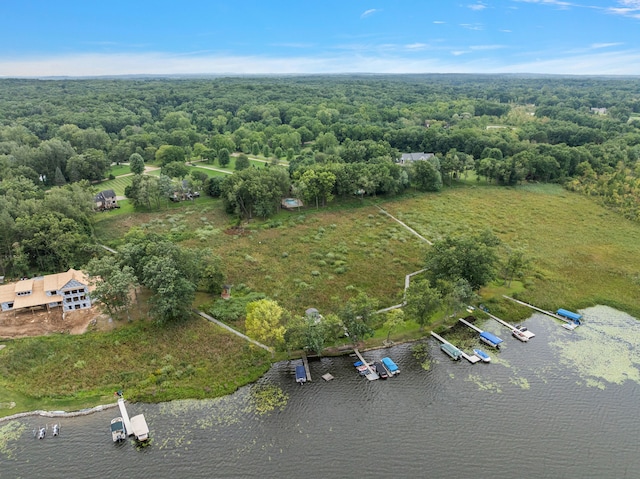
(605, 349)
(10, 432)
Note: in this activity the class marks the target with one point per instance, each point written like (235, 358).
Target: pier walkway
(305, 362)
(528, 334)
(371, 375)
(540, 310)
(125, 417)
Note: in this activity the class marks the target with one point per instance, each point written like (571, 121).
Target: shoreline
(81, 412)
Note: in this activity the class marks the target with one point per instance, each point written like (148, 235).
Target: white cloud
(557, 3)
(439, 22)
(368, 13)
(479, 48)
(456, 61)
(604, 45)
(416, 46)
(472, 26)
(477, 6)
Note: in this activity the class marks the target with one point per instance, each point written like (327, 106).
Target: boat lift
(471, 358)
(518, 332)
(572, 320)
(485, 337)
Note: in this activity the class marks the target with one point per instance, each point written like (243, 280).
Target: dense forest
(340, 135)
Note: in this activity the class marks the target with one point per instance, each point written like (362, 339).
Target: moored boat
(453, 352)
(482, 355)
(56, 429)
(516, 333)
(117, 430)
(301, 374)
(381, 370)
(391, 366)
(42, 432)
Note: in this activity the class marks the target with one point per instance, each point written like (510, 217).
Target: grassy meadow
(582, 254)
(150, 363)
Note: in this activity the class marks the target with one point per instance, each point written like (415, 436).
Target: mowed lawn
(582, 253)
(117, 185)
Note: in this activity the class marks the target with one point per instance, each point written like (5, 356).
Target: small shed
(226, 291)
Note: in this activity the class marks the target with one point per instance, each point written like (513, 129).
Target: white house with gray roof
(408, 158)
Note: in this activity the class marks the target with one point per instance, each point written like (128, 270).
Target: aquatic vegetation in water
(10, 432)
(521, 382)
(605, 349)
(267, 398)
(421, 353)
(483, 385)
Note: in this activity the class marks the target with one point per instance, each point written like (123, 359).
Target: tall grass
(189, 359)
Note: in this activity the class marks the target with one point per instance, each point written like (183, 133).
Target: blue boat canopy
(300, 373)
(490, 337)
(575, 317)
(391, 366)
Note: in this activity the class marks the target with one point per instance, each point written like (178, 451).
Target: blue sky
(79, 38)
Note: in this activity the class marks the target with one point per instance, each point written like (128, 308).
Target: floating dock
(526, 333)
(371, 375)
(570, 324)
(454, 352)
(486, 337)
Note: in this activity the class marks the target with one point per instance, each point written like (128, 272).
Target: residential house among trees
(106, 200)
(408, 158)
(70, 290)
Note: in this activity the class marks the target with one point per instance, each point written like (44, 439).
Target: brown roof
(23, 285)
(39, 288)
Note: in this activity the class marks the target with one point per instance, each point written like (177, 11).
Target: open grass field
(582, 253)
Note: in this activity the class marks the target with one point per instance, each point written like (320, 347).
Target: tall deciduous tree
(136, 164)
(113, 284)
(422, 301)
(224, 157)
(357, 315)
(471, 257)
(264, 322)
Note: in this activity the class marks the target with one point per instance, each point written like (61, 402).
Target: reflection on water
(531, 412)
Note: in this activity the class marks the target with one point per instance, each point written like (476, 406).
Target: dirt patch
(40, 322)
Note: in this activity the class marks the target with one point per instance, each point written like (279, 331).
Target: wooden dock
(371, 374)
(540, 310)
(471, 358)
(305, 362)
(528, 334)
(467, 323)
(125, 417)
